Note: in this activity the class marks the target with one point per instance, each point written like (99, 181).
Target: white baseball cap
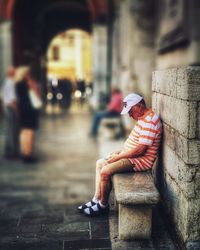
(129, 101)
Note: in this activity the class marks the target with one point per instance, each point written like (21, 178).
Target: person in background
(9, 101)
(137, 154)
(113, 110)
(28, 114)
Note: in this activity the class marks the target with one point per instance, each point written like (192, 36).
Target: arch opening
(68, 69)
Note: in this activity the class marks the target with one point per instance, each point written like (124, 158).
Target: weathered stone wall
(176, 97)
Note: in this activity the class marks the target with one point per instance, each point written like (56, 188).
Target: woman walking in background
(28, 95)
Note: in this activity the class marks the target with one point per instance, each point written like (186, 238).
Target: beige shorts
(123, 165)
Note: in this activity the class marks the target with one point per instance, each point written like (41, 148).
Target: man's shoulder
(152, 118)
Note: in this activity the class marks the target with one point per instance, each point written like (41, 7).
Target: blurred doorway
(69, 70)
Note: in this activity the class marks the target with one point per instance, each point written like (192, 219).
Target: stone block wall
(176, 97)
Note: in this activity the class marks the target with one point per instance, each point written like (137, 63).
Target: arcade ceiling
(36, 22)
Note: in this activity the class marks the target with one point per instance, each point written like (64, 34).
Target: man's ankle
(95, 199)
(103, 205)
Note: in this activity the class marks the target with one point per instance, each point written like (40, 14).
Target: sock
(88, 204)
(94, 208)
(102, 205)
(95, 199)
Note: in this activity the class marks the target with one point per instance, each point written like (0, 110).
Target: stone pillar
(133, 48)
(99, 62)
(5, 47)
(176, 97)
(122, 47)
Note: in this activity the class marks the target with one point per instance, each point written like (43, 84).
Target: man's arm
(116, 152)
(33, 85)
(139, 150)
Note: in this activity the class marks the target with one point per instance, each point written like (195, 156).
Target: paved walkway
(38, 202)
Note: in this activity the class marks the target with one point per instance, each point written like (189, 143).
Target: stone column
(99, 62)
(176, 97)
(133, 48)
(5, 47)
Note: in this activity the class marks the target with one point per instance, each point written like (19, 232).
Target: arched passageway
(69, 68)
(45, 20)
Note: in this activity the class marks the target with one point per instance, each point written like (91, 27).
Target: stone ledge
(135, 193)
(137, 188)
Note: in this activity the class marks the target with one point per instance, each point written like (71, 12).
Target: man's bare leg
(105, 185)
(120, 166)
(99, 165)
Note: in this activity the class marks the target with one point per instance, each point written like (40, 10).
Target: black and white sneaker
(86, 205)
(96, 210)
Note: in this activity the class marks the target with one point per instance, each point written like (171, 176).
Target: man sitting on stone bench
(138, 153)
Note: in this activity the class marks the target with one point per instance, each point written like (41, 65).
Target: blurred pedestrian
(28, 94)
(113, 110)
(9, 100)
(81, 87)
(68, 94)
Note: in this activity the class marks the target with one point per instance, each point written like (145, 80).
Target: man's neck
(146, 111)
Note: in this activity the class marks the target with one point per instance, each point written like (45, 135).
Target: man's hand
(138, 151)
(113, 158)
(116, 152)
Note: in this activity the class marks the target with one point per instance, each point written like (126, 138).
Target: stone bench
(135, 195)
(110, 127)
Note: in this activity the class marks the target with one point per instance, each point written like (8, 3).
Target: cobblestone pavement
(38, 202)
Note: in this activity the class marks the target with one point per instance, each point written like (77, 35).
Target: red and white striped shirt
(147, 131)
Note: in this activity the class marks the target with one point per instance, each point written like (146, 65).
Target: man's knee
(105, 174)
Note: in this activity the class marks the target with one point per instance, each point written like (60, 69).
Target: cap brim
(125, 110)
